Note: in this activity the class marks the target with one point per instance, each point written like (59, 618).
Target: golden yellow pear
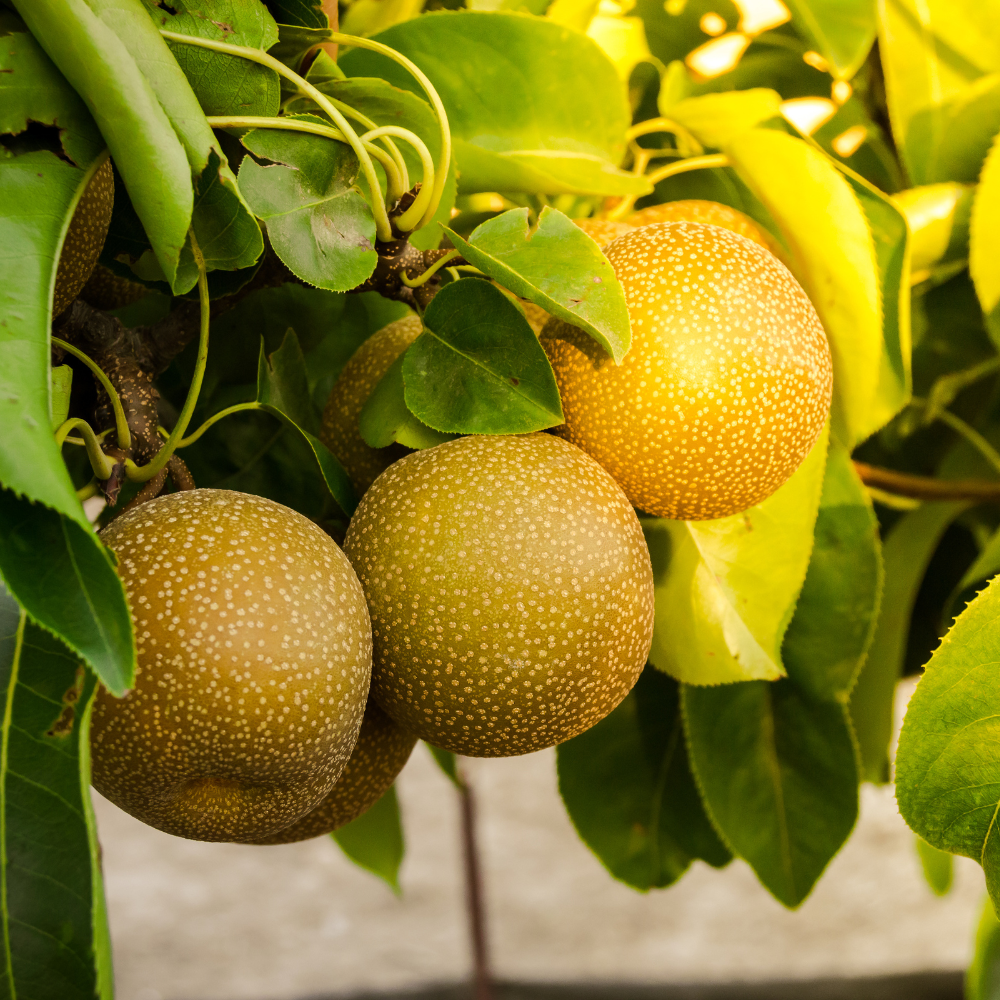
(88, 229)
(710, 213)
(510, 592)
(364, 370)
(254, 657)
(380, 754)
(727, 383)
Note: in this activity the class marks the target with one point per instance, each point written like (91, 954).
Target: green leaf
(938, 216)
(283, 391)
(828, 638)
(779, 777)
(385, 418)
(448, 763)
(842, 31)
(627, 786)
(478, 368)
(947, 766)
(906, 552)
(65, 579)
(725, 590)
(940, 59)
(984, 238)
(145, 148)
(224, 84)
(672, 32)
(938, 867)
(374, 841)
(223, 224)
(308, 13)
(38, 194)
(533, 106)
(716, 119)
(52, 919)
(982, 980)
(833, 256)
(35, 91)
(557, 266)
(294, 42)
(975, 578)
(891, 238)
(317, 220)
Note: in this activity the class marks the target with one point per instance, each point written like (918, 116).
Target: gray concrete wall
(195, 921)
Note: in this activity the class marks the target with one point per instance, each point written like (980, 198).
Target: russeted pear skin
(88, 229)
(727, 383)
(381, 752)
(710, 213)
(254, 658)
(363, 371)
(510, 592)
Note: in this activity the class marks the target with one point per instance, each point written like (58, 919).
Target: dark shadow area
(919, 986)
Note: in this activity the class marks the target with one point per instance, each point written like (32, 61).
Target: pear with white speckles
(350, 392)
(381, 751)
(510, 593)
(254, 659)
(727, 383)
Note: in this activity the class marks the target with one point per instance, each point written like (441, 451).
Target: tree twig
(482, 978)
(926, 487)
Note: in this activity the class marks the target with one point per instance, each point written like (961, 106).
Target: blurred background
(195, 921)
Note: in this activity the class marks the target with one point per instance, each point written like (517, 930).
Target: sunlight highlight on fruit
(727, 384)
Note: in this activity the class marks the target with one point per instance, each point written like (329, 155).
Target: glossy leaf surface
(55, 936)
(628, 789)
(726, 589)
(556, 266)
(984, 238)
(374, 841)
(478, 368)
(947, 764)
(517, 123)
(716, 119)
(779, 776)
(317, 220)
(842, 31)
(941, 59)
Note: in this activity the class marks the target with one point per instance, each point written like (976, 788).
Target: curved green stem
(99, 462)
(972, 436)
(412, 217)
(383, 227)
(692, 163)
(444, 157)
(146, 472)
(654, 125)
(88, 491)
(670, 170)
(79, 441)
(422, 279)
(215, 418)
(397, 184)
(121, 424)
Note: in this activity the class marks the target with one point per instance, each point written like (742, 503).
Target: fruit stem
(670, 170)
(215, 418)
(654, 125)
(444, 157)
(397, 184)
(482, 978)
(121, 424)
(99, 462)
(383, 227)
(970, 434)
(147, 472)
(410, 219)
(425, 276)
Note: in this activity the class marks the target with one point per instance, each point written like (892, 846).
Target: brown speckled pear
(510, 592)
(725, 388)
(382, 750)
(254, 657)
(88, 229)
(710, 213)
(350, 392)
(603, 231)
